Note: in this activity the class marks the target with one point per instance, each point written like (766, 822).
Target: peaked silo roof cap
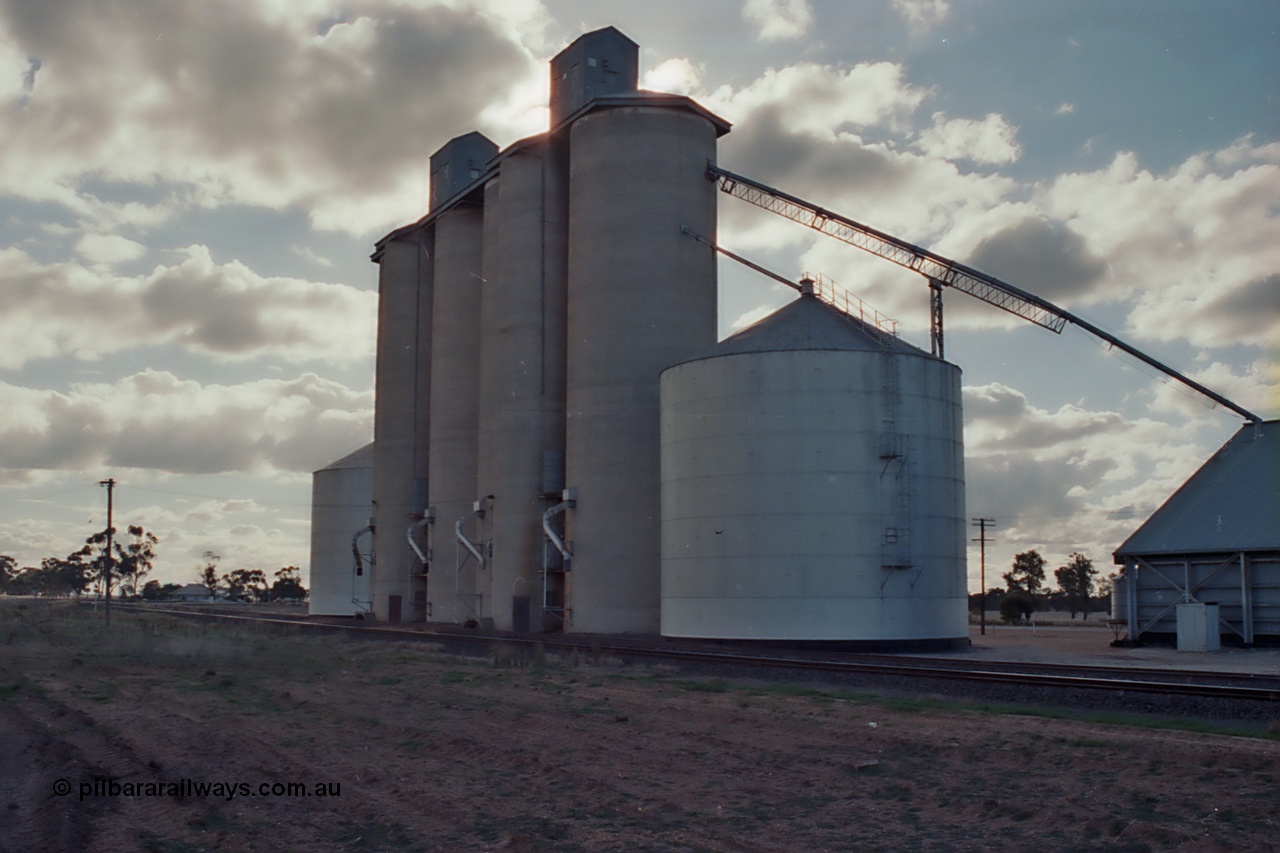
(808, 323)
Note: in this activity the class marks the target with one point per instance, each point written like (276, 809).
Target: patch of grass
(714, 686)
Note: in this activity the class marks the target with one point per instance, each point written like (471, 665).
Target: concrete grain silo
(642, 296)
(455, 377)
(401, 418)
(813, 487)
(403, 387)
(341, 504)
(522, 374)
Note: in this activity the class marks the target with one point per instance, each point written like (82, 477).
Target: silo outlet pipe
(412, 535)
(551, 534)
(462, 537)
(355, 548)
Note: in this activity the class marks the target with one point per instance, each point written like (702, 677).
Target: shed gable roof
(1231, 504)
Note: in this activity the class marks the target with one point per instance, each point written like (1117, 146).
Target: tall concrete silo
(341, 507)
(401, 418)
(455, 376)
(522, 373)
(642, 296)
(813, 487)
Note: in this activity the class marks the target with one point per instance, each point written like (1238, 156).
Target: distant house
(1216, 541)
(192, 592)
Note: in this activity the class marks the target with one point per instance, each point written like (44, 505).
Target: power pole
(106, 569)
(982, 524)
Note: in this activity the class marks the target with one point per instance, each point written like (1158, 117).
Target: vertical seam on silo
(542, 269)
(417, 339)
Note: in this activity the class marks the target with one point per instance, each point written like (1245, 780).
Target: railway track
(781, 662)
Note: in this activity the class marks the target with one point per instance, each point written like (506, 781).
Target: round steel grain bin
(813, 487)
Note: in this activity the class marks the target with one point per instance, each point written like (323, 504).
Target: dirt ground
(400, 747)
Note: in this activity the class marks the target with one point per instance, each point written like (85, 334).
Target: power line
(106, 567)
(982, 524)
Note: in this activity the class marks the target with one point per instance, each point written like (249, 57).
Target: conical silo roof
(362, 458)
(808, 323)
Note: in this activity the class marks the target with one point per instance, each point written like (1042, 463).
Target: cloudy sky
(189, 193)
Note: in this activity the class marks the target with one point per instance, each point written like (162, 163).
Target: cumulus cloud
(223, 310)
(1071, 478)
(923, 14)
(778, 20)
(108, 248)
(1254, 387)
(821, 100)
(154, 420)
(1191, 254)
(989, 141)
(678, 76)
(243, 103)
(1046, 258)
(1197, 248)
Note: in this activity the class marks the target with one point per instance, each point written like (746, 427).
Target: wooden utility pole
(982, 524)
(106, 568)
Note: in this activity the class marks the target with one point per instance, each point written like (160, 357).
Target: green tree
(250, 583)
(135, 558)
(1076, 581)
(1027, 574)
(131, 560)
(22, 581)
(288, 584)
(1017, 605)
(69, 576)
(156, 591)
(8, 571)
(209, 572)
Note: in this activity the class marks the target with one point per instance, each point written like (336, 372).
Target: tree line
(132, 557)
(1079, 591)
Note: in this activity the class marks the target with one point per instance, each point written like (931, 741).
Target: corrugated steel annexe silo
(813, 487)
(341, 504)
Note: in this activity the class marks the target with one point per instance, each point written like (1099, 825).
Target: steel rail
(1056, 676)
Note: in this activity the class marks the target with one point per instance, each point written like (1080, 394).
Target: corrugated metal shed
(1231, 504)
